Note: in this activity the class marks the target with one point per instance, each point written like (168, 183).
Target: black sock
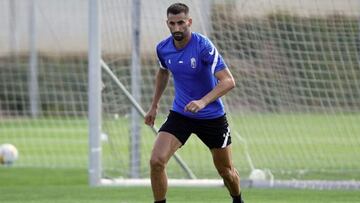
(162, 201)
(237, 199)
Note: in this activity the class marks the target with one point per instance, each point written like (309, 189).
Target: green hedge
(305, 61)
(62, 86)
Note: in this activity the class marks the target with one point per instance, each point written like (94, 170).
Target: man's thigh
(165, 146)
(215, 133)
(177, 125)
(222, 157)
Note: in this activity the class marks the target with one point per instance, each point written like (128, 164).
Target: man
(200, 79)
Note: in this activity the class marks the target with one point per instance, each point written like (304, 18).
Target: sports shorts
(214, 133)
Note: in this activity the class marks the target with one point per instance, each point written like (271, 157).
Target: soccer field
(315, 144)
(20, 185)
(69, 65)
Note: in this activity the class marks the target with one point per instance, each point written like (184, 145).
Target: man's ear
(190, 21)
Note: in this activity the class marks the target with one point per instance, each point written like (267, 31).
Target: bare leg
(225, 168)
(165, 146)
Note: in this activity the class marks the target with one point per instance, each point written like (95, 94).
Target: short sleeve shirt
(193, 68)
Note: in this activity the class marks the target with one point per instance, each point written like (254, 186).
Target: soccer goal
(295, 111)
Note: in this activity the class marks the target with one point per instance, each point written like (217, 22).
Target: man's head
(179, 21)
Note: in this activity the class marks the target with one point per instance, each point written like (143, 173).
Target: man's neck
(181, 44)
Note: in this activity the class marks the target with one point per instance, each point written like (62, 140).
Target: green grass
(301, 146)
(31, 185)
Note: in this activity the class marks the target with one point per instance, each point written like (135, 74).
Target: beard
(178, 36)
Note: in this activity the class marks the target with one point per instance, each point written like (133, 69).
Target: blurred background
(295, 110)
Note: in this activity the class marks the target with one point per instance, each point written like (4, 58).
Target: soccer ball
(257, 174)
(8, 154)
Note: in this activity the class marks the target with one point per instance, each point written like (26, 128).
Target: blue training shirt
(193, 68)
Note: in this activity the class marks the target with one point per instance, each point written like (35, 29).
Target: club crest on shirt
(193, 62)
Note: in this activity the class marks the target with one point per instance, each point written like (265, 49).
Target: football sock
(162, 201)
(237, 199)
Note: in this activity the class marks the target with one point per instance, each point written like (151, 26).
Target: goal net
(295, 109)
(43, 82)
(294, 114)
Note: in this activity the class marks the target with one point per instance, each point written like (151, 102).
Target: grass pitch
(32, 185)
(54, 154)
(300, 146)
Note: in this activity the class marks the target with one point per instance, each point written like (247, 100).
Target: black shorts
(215, 133)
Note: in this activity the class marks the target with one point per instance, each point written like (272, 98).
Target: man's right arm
(162, 78)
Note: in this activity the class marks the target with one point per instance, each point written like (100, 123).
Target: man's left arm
(226, 82)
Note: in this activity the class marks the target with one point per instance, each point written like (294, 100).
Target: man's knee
(157, 163)
(228, 173)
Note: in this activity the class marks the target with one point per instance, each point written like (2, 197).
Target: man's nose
(176, 28)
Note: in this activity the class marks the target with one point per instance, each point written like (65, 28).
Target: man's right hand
(150, 117)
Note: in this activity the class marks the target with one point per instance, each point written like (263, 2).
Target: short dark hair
(177, 8)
